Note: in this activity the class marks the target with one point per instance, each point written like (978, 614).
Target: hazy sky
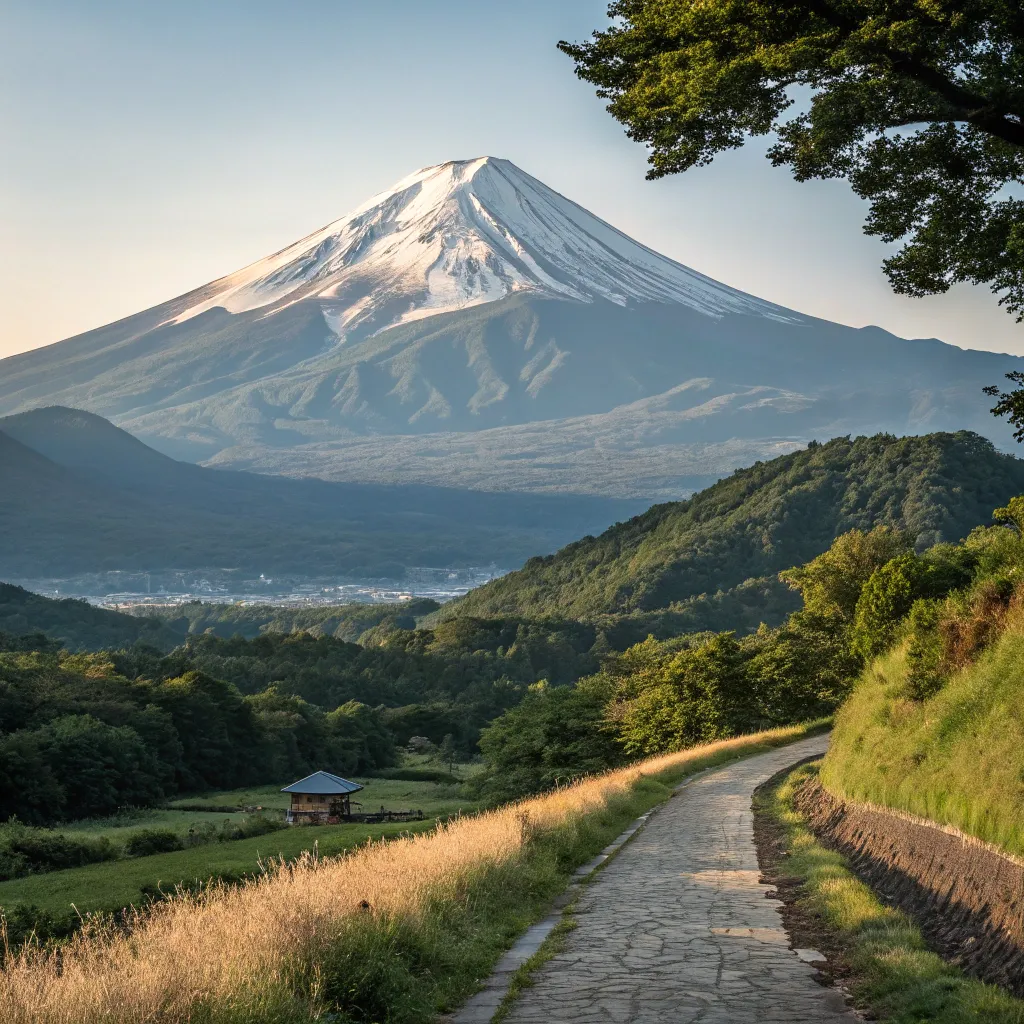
(149, 148)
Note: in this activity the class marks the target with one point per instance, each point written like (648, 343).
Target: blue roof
(323, 784)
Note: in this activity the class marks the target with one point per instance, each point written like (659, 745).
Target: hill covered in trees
(75, 624)
(711, 562)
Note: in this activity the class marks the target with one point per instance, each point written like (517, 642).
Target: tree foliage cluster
(449, 680)
(710, 562)
(344, 621)
(867, 592)
(82, 734)
(919, 105)
(81, 738)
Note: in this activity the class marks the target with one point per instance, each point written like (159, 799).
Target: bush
(418, 775)
(925, 668)
(152, 840)
(26, 851)
(255, 825)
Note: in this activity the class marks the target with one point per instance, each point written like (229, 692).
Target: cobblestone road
(677, 929)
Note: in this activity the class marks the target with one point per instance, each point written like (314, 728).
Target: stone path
(677, 929)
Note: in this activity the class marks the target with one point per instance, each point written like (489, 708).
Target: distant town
(126, 590)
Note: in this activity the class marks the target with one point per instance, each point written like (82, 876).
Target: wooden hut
(320, 797)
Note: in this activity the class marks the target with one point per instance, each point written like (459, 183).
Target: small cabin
(320, 797)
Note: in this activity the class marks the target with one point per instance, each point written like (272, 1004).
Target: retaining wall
(966, 896)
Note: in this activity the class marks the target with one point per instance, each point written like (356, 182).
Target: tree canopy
(918, 103)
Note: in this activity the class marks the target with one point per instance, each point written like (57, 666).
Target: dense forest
(711, 562)
(81, 738)
(869, 592)
(82, 734)
(345, 621)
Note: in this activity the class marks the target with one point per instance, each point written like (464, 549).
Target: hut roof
(323, 784)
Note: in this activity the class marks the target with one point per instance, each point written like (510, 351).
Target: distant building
(320, 797)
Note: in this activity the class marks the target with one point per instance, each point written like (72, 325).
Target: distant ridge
(79, 495)
(472, 327)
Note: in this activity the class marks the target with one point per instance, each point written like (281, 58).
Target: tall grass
(956, 758)
(392, 931)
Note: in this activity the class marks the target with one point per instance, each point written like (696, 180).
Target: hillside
(79, 626)
(344, 622)
(758, 522)
(934, 725)
(473, 328)
(78, 494)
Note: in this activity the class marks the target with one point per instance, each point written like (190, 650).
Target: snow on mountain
(460, 234)
(569, 356)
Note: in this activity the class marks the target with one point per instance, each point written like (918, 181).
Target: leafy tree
(920, 105)
(693, 695)
(831, 584)
(447, 753)
(555, 735)
(801, 670)
(29, 786)
(1012, 514)
(101, 767)
(1010, 403)
(885, 599)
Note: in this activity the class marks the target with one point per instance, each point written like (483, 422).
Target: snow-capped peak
(460, 234)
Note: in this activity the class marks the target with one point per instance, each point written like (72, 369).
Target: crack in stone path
(676, 929)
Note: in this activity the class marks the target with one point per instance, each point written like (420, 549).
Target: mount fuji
(474, 328)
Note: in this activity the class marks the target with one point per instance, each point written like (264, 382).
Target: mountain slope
(759, 521)
(471, 299)
(78, 494)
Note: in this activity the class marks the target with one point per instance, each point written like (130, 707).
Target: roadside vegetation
(935, 726)
(711, 562)
(395, 930)
(876, 950)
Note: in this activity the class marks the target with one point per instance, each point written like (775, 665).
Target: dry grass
(256, 952)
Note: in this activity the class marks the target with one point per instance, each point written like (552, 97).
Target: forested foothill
(712, 562)
(869, 592)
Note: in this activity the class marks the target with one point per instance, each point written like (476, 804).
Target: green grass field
(956, 758)
(115, 884)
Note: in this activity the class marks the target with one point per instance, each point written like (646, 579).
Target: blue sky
(151, 147)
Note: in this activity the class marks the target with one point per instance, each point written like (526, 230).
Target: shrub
(152, 840)
(25, 851)
(254, 825)
(973, 622)
(418, 775)
(926, 671)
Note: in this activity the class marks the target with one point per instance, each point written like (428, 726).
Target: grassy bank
(51, 902)
(397, 930)
(956, 757)
(881, 954)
